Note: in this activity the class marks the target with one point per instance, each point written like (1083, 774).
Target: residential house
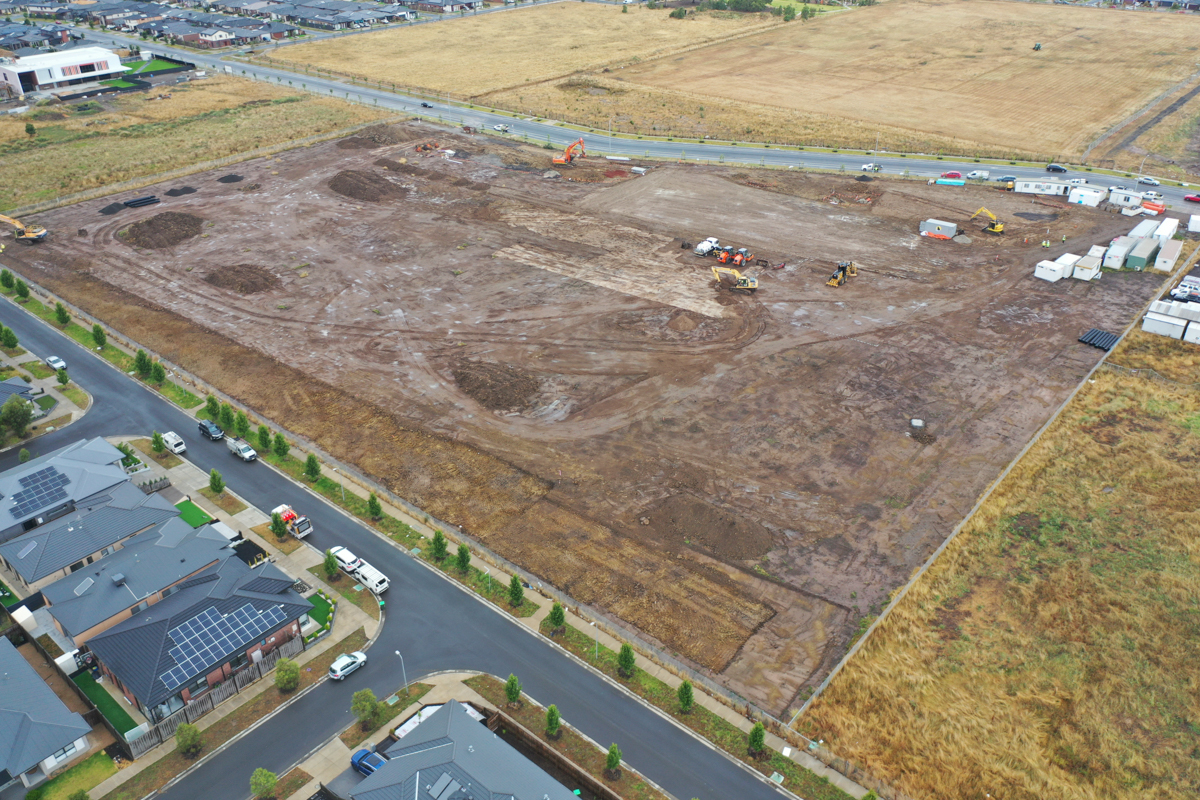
(212, 626)
(50, 486)
(216, 37)
(95, 528)
(451, 755)
(46, 9)
(442, 6)
(149, 568)
(16, 386)
(38, 733)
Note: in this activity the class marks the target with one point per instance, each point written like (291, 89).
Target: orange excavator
(569, 154)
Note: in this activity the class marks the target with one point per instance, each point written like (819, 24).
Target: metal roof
(90, 466)
(452, 756)
(34, 723)
(14, 386)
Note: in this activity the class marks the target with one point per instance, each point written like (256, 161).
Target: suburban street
(432, 622)
(602, 144)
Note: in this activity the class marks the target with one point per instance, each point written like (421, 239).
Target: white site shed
(1118, 251)
(1087, 268)
(1051, 271)
(1068, 260)
(1192, 334)
(1042, 186)
(1194, 224)
(1144, 229)
(1124, 198)
(1167, 229)
(1168, 257)
(1087, 196)
(1097, 250)
(1163, 325)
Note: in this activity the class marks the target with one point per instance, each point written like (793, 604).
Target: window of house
(76, 566)
(139, 608)
(237, 662)
(63, 753)
(198, 685)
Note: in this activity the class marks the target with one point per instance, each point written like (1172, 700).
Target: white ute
(707, 247)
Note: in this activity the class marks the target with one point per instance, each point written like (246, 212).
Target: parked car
(1153, 196)
(174, 443)
(1119, 189)
(1146, 180)
(55, 363)
(211, 430)
(366, 761)
(872, 167)
(951, 174)
(501, 128)
(1055, 168)
(1192, 198)
(346, 663)
(346, 560)
(1006, 178)
(978, 175)
(426, 105)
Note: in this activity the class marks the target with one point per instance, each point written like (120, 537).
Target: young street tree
(278, 526)
(516, 592)
(364, 706)
(30, 130)
(216, 483)
(625, 660)
(287, 675)
(16, 414)
(158, 373)
(242, 425)
(558, 616)
(374, 509)
(553, 722)
(612, 761)
(264, 438)
(8, 338)
(157, 444)
(226, 422)
(61, 315)
(141, 363)
(439, 546)
(312, 467)
(212, 407)
(512, 689)
(463, 561)
(330, 565)
(280, 447)
(188, 741)
(686, 696)
(24, 455)
(62, 377)
(262, 783)
(757, 739)
(99, 336)
(22, 289)
(6, 279)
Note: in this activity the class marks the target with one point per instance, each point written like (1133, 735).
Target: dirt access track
(540, 362)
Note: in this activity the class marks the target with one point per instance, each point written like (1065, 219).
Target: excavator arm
(569, 154)
(26, 233)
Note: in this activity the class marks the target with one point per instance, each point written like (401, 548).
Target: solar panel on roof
(207, 638)
(40, 489)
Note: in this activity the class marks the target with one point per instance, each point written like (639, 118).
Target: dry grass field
(485, 53)
(84, 145)
(1051, 651)
(961, 70)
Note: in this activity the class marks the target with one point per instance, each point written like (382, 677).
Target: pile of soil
(396, 166)
(375, 136)
(688, 520)
(365, 186)
(498, 387)
(243, 279)
(182, 190)
(112, 208)
(163, 230)
(230, 179)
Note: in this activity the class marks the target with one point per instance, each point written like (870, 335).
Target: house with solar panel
(211, 626)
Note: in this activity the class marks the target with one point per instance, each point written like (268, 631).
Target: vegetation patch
(84, 776)
(354, 736)
(193, 514)
(224, 501)
(109, 706)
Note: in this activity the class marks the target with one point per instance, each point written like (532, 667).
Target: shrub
(188, 741)
(22, 290)
(374, 509)
(612, 762)
(280, 447)
(141, 363)
(8, 338)
(212, 407)
(61, 315)
(99, 336)
(757, 739)
(516, 592)
(686, 696)
(156, 442)
(16, 414)
(553, 721)
(438, 551)
(364, 706)
(463, 560)
(242, 425)
(330, 565)
(62, 377)
(264, 438)
(6, 279)
(23, 456)
(512, 689)
(78, 794)
(312, 467)
(158, 373)
(558, 616)
(262, 783)
(216, 483)
(626, 660)
(278, 526)
(226, 422)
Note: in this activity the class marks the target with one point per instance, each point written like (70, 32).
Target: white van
(349, 562)
(174, 443)
(372, 578)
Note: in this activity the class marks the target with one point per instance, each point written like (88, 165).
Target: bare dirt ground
(541, 362)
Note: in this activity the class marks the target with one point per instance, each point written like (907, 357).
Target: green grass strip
(109, 707)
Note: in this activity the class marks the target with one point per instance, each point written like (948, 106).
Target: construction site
(720, 454)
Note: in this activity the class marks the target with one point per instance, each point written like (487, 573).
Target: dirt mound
(182, 190)
(243, 279)
(396, 166)
(163, 230)
(230, 179)
(112, 208)
(689, 520)
(365, 186)
(375, 136)
(498, 387)
(356, 143)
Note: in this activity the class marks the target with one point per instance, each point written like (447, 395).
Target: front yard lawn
(321, 609)
(85, 775)
(344, 585)
(37, 369)
(224, 501)
(193, 514)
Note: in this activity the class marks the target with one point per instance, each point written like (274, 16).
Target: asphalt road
(434, 624)
(600, 143)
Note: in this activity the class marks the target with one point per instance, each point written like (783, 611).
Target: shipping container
(1043, 186)
(1117, 251)
(1192, 334)
(1167, 229)
(1087, 196)
(1050, 271)
(1168, 257)
(1122, 198)
(1163, 325)
(1142, 255)
(1144, 229)
(1087, 268)
(939, 229)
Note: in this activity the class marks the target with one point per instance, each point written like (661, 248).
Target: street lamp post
(1142, 165)
(404, 672)
(488, 571)
(341, 480)
(596, 633)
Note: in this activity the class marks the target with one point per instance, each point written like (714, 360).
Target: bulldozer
(25, 233)
(844, 271)
(569, 154)
(994, 226)
(734, 281)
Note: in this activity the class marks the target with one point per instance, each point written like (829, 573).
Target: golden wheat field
(1051, 651)
(964, 70)
(492, 51)
(122, 137)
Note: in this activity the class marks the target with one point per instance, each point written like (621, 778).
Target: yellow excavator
(734, 281)
(569, 154)
(844, 271)
(25, 233)
(995, 226)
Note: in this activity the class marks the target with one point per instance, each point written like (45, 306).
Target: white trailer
(1192, 334)
(1087, 268)
(1168, 256)
(1060, 188)
(1167, 229)
(1051, 271)
(1172, 327)
(1144, 229)
(1086, 196)
(1125, 198)
(1118, 251)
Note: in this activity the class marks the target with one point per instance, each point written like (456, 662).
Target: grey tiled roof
(14, 385)
(452, 743)
(149, 562)
(138, 649)
(96, 523)
(34, 723)
(91, 465)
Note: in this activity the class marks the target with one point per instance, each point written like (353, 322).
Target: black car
(1007, 178)
(210, 430)
(1055, 168)
(426, 105)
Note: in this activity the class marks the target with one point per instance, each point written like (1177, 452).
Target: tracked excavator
(734, 281)
(994, 226)
(844, 271)
(569, 154)
(25, 233)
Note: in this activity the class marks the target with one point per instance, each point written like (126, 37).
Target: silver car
(346, 663)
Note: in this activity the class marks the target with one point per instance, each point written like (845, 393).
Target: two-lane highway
(430, 620)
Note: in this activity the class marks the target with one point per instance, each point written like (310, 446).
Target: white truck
(298, 525)
(240, 449)
(707, 247)
(978, 175)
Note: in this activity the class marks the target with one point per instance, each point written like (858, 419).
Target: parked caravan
(1086, 268)
(1118, 251)
(1060, 188)
(1125, 198)
(1192, 334)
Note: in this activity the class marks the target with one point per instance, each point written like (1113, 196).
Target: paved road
(434, 624)
(601, 143)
